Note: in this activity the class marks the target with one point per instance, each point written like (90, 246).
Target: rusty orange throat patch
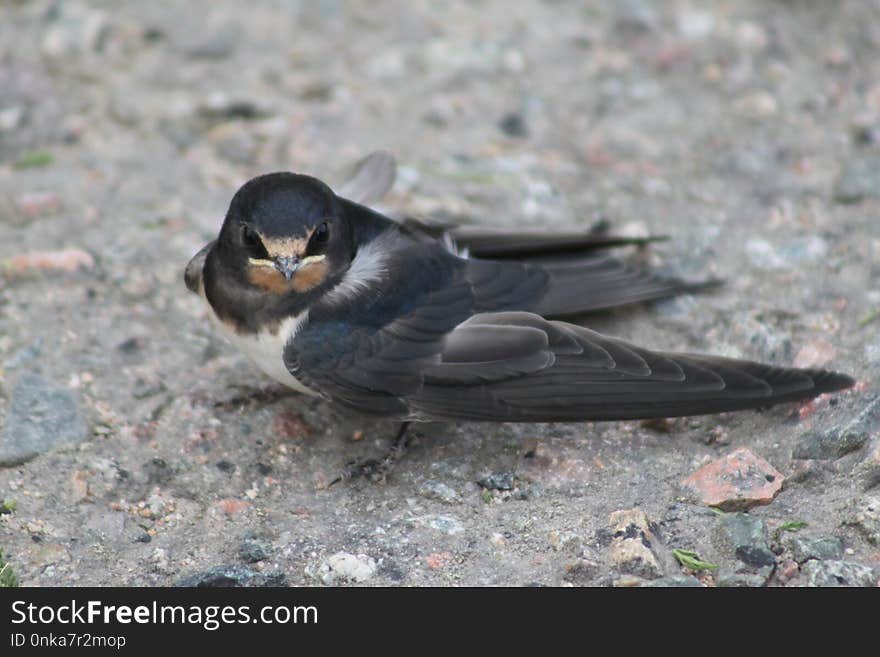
(271, 280)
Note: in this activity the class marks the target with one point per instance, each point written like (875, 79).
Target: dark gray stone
(42, 416)
(390, 569)
(219, 108)
(513, 125)
(131, 346)
(231, 576)
(497, 481)
(830, 444)
(437, 490)
(859, 179)
(741, 529)
(158, 471)
(253, 549)
(838, 573)
(865, 134)
(529, 492)
(804, 548)
(143, 389)
(756, 556)
(747, 536)
(843, 439)
(739, 580)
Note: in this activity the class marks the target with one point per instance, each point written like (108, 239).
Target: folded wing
(578, 374)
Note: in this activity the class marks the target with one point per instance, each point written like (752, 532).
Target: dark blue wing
(433, 340)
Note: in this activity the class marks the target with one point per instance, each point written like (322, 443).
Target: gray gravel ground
(747, 131)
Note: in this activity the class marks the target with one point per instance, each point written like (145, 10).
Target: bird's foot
(377, 470)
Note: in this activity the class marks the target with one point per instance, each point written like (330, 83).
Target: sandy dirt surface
(135, 449)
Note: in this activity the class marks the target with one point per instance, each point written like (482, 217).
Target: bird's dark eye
(253, 243)
(319, 239)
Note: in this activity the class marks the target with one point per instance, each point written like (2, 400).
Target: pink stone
(787, 570)
(737, 481)
(290, 425)
(67, 260)
(231, 506)
(36, 204)
(815, 353)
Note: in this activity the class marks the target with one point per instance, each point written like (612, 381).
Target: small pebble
(252, 550)
(42, 416)
(838, 573)
(231, 576)
(814, 354)
(346, 567)
(747, 536)
(69, 260)
(131, 345)
(866, 517)
(445, 524)
(675, 581)
(437, 490)
(739, 580)
(859, 179)
(760, 105)
(38, 204)
(498, 481)
(787, 571)
(220, 107)
(842, 439)
(632, 544)
(514, 125)
(804, 548)
(737, 481)
(830, 444)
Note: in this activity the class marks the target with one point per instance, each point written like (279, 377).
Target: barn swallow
(402, 320)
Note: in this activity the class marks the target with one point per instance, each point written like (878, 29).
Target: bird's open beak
(287, 265)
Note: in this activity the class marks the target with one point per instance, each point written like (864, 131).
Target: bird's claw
(376, 470)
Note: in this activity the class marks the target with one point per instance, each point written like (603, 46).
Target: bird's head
(284, 232)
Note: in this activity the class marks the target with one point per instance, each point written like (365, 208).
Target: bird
(417, 321)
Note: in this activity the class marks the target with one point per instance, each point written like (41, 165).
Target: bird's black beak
(192, 276)
(287, 265)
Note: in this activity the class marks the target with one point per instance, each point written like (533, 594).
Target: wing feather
(432, 348)
(611, 380)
